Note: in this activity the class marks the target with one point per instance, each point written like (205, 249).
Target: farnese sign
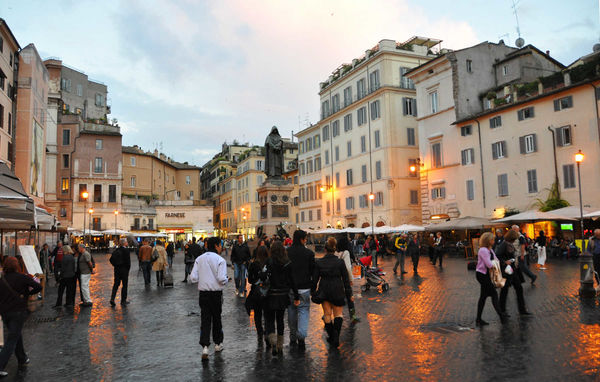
(174, 214)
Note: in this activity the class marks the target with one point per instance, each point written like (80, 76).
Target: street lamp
(586, 265)
(371, 200)
(84, 196)
(116, 214)
(578, 159)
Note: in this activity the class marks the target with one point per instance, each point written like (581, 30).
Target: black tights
(159, 277)
(270, 316)
(487, 290)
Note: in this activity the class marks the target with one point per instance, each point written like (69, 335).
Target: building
(83, 96)
(365, 142)
(9, 60)
(453, 86)
(30, 133)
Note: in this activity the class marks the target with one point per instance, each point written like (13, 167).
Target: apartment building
(81, 95)
(454, 86)
(365, 142)
(9, 59)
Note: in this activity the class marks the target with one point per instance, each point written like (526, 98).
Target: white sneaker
(237, 293)
(205, 352)
(218, 347)
(3, 373)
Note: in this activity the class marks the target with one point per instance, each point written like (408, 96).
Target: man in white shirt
(210, 272)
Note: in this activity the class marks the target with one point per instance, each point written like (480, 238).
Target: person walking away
(540, 241)
(258, 279)
(121, 262)
(57, 255)
(431, 247)
(281, 282)
(593, 248)
(210, 272)
(331, 287)
(511, 271)
(15, 288)
(146, 261)
(520, 246)
(413, 250)
(438, 247)
(68, 278)
(302, 262)
(86, 269)
(400, 246)
(170, 253)
(45, 260)
(240, 256)
(485, 256)
(343, 253)
(160, 264)
(193, 251)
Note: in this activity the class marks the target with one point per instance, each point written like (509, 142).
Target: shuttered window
(503, 185)
(499, 150)
(569, 176)
(470, 190)
(467, 156)
(528, 144)
(532, 181)
(563, 103)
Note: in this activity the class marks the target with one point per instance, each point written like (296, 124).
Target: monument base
(275, 206)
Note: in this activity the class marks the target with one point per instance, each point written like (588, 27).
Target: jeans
(298, 316)
(160, 275)
(84, 286)
(14, 322)
(525, 267)
(69, 284)
(170, 261)
(146, 270)
(239, 273)
(400, 256)
(211, 304)
(188, 270)
(121, 277)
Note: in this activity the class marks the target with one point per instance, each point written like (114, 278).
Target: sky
(184, 76)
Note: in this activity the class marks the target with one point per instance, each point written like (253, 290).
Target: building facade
(9, 60)
(83, 96)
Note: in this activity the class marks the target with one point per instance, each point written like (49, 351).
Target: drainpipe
(481, 161)
(551, 129)
(597, 113)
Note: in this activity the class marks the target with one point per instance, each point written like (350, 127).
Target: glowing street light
(84, 195)
(116, 212)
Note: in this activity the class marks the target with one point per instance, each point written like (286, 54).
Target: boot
(329, 329)
(353, 316)
(337, 328)
(273, 342)
(260, 339)
(267, 343)
(280, 344)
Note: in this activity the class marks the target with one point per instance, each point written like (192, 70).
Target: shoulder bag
(495, 274)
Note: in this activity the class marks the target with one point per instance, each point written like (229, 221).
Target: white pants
(541, 256)
(85, 287)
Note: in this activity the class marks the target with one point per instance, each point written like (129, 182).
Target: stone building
(9, 48)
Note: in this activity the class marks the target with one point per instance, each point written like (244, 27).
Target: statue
(274, 154)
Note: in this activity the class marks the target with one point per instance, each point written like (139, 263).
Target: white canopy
(148, 234)
(571, 212)
(115, 232)
(533, 215)
(467, 222)
(409, 228)
(594, 214)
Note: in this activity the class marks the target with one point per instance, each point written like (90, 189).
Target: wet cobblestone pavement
(422, 329)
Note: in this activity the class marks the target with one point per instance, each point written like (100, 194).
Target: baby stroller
(373, 276)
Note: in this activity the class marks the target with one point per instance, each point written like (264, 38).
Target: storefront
(181, 220)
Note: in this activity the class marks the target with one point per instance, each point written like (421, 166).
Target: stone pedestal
(275, 205)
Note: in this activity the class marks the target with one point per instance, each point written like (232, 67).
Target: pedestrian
(193, 251)
(521, 252)
(68, 278)
(15, 289)
(146, 261)
(540, 242)
(258, 279)
(170, 253)
(511, 271)
(371, 247)
(485, 256)
(302, 262)
(498, 238)
(343, 253)
(331, 287)
(57, 255)
(438, 249)
(281, 282)
(431, 247)
(86, 269)
(210, 272)
(45, 260)
(288, 241)
(160, 264)
(400, 245)
(121, 262)
(414, 249)
(240, 256)
(261, 243)
(593, 248)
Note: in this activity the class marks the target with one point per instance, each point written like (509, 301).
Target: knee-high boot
(273, 342)
(337, 328)
(329, 329)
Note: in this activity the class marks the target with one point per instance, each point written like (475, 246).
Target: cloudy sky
(190, 74)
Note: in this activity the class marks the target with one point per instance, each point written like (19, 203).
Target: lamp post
(116, 214)
(586, 265)
(90, 211)
(84, 196)
(371, 201)
(578, 159)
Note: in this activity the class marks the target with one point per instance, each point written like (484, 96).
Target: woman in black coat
(413, 251)
(331, 286)
(257, 277)
(505, 251)
(281, 281)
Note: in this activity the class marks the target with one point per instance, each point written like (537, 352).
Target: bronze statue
(274, 154)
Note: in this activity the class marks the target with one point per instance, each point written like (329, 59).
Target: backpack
(264, 283)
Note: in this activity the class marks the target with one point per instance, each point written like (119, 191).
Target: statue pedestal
(275, 205)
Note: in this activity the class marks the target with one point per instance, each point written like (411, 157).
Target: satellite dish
(596, 47)
(520, 42)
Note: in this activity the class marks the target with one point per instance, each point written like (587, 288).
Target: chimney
(547, 52)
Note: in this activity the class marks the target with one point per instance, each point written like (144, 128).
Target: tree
(553, 201)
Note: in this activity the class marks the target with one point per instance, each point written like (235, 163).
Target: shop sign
(174, 231)
(174, 214)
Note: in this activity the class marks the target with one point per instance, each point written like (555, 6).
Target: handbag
(495, 274)
(154, 255)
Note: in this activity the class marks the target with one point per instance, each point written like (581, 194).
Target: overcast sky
(192, 74)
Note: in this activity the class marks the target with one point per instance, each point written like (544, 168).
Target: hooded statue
(274, 154)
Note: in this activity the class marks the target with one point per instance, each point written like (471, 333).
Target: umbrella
(115, 232)
(467, 222)
(533, 215)
(571, 212)
(409, 228)
(594, 214)
(329, 231)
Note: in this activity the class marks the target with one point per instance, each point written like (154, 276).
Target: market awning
(467, 222)
(572, 211)
(533, 216)
(595, 214)
(16, 208)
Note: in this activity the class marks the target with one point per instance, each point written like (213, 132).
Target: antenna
(520, 41)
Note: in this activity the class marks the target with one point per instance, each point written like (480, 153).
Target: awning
(115, 232)
(594, 214)
(532, 216)
(467, 222)
(572, 212)
(16, 208)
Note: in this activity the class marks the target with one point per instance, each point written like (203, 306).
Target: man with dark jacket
(121, 261)
(240, 256)
(191, 254)
(170, 253)
(302, 262)
(57, 255)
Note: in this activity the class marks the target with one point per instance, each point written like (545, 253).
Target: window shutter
(532, 112)
(534, 136)
(597, 93)
(556, 105)
(559, 137)
(522, 144)
(520, 115)
(494, 151)
(404, 109)
(504, 152)
(433, 193)
(463, 156)
(414, 106)
(443, 192)
(570, 101)
(472, 155)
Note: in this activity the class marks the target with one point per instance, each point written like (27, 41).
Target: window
(405, 82)
(82, 189)
(301, 147)
(361, 115)
(438, 193)
(318, 164)
(499, 150)
(310, 215)
(317, 141)
(363, 201)
(325, 133)
(259, 179)
(9, 124)
(378, 199)
(65, 161)
(347, 96)
(503, 185)
(409, 106)
(150, 223)
(302, 169)
(378, 170)
(136, 223)
(363, 172)
(63, 212)
(65, 84)
(64, 185)
(467, 156)
(569, 175)
(309, 144)
(410, 136)
(337, 153)
(349, 147)
(377, 139)
(360, 88)
(318, 214)
(328, 206)
(528, 144)
(112, 193)
(326, 157)
(348, 122)
(132, 160)
(532, 181)
(337, 179)
(374, 80)
(97, 193)
(495, 122)
(324, 109)
(79, 90)
(349, 179)
(188, 179)
(470, 190)
(505, 70)
(335, 103)
(302, 194)
(563, 103)
(563, 136)
(132, 181)
(375, 111)
(98, 144)
(309, 166)
(363, 144)
(350, 203)
(469, 66)
(414, 197)
(436, 155)
(335, 126)
(99, 99)
(433, 102)
(97, 165)
(466, 130)
(525, 113)
(66, 137)
(487, 104)
(302, 216)
(1, 108)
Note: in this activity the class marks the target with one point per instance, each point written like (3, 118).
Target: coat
(161, 263)
(330, 281)
(281, 282)
(505, 251)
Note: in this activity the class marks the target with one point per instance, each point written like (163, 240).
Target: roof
(526, 50)
(109, 133)
(3, 22)
(426, 41)
(172, 163)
